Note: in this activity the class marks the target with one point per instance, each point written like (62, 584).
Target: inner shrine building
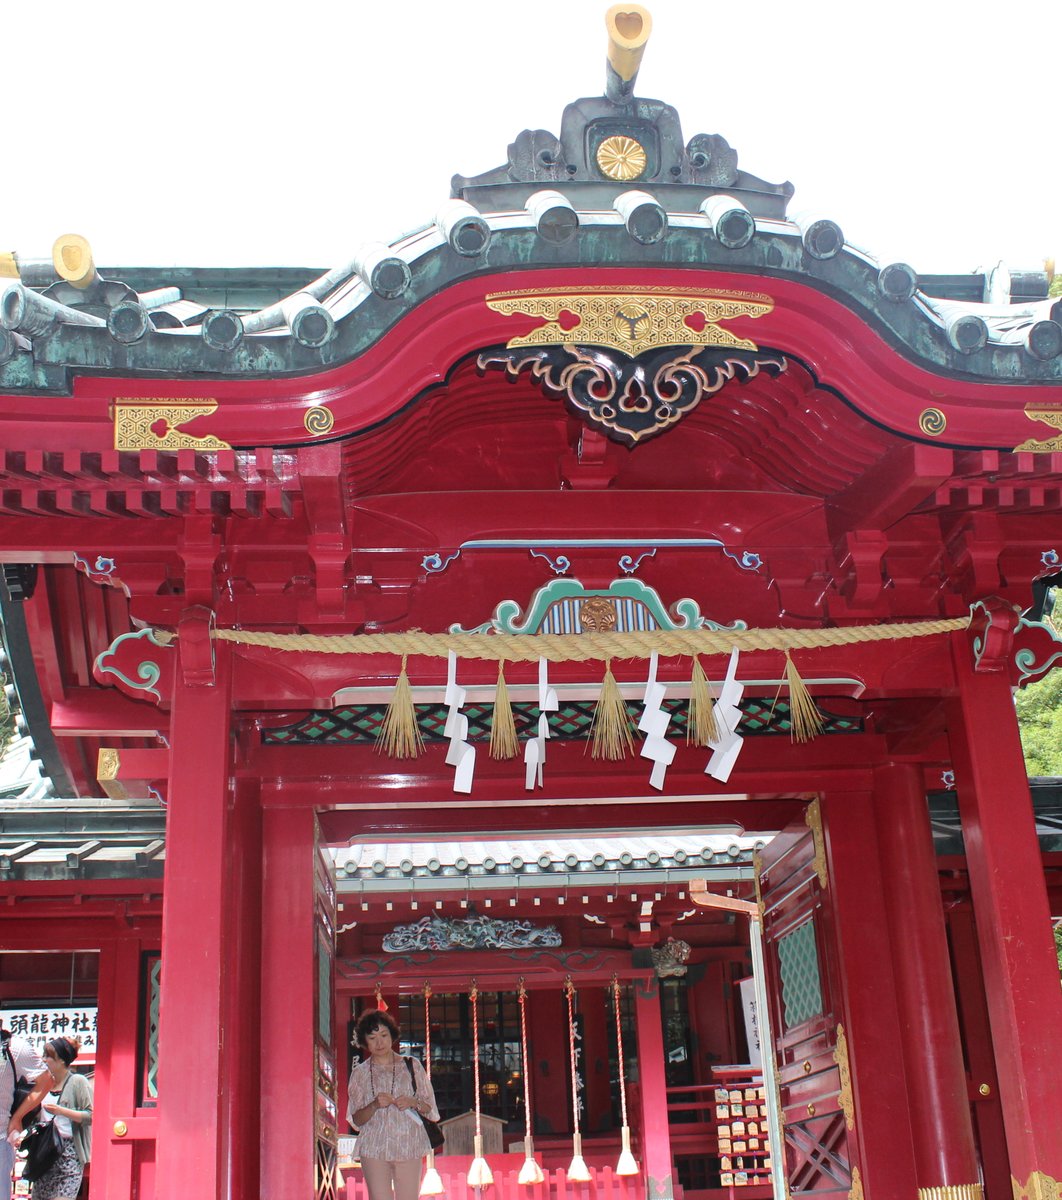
(588, 626)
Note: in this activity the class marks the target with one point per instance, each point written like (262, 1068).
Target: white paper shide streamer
(535, 750)
(727, 747)
(462, 754)
(653, 723)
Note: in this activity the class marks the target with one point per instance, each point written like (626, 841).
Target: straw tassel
(479, 1173)
(627, 1164)
(701, 726)
(399, 735)
(578, 1171)
(806, 720)
(431, 1184)
(612, 730)
(530, 1172)
(503, 740)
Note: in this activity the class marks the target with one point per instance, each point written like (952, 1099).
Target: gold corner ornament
(108, 764)
(1038, 1186)
(757, 872)
(1050, 415)
(621, 157)
(813, 820)
(856, 1190)
(953, 1191)
(155, 423)
(844, 1097)
(629, 319)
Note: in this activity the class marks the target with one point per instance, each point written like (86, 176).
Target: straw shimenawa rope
(583, 647)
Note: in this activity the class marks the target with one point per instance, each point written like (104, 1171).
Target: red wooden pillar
(652, 1092)
(881, 1125)
(287, 1079)
(929, 1024)
(973, 1014)
(1013, 920)
(197, 950)
(114, 1154)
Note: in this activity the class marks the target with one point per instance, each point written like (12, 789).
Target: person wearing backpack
(18, 1061)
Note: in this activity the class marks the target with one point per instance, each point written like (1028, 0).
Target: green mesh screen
(798, 962)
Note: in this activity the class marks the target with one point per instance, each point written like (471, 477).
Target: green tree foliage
(1040, 720)
(1039, 709)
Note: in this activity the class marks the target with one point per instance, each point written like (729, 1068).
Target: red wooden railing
(605, 1185)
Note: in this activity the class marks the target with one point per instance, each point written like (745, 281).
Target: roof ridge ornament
(607, 143)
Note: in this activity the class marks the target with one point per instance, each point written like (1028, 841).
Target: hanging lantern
(578, 1172)
(530, 1172)
(431, 1184)
(627, 1164)
(479, 1173)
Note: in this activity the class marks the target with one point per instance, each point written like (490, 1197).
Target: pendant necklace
(372, 1076)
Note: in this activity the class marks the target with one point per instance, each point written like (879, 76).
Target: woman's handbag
(436, 1137)
(42, 1147)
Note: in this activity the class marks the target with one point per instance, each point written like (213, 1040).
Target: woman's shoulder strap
(409, 1068)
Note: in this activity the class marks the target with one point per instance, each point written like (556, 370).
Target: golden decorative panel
(108, 764)
(953, 1191)
(932, 422)
(1038, 1187)
(318, 420)
(630, 320)
(813, 819)
(856, 1191)
(844, 1098)
(1049, 414)
(621, 157)
(154, 423)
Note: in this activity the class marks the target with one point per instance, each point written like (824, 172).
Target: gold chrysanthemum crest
(621, 157)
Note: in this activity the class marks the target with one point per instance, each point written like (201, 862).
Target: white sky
(221, 132)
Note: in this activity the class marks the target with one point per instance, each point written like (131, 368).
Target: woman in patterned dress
(71, 1110)
(383, 1107)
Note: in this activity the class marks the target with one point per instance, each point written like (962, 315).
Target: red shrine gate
(611, 402)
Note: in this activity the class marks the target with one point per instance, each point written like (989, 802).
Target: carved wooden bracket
(196, 647)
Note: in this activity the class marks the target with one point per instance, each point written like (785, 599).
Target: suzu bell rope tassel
(612, 730)
(530, 1172)
(399, 735)
(578, 1172)
(479, 1173)
(805, 717)
(503, 740)
(431, 1184)
(627, 1164)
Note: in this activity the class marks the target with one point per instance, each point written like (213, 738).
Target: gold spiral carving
(953, 1191)
(318, 420)
(932, 422)
(621, 157)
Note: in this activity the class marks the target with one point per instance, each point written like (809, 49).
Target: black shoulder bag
(436, 1137)
(42, 1145)
(22, 1088)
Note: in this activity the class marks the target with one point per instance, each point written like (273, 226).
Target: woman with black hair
(385, 1095)
(71, 1110)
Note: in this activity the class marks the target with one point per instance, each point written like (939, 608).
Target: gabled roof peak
(611, 143)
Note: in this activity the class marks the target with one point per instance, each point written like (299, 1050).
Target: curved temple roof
(618, 188)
